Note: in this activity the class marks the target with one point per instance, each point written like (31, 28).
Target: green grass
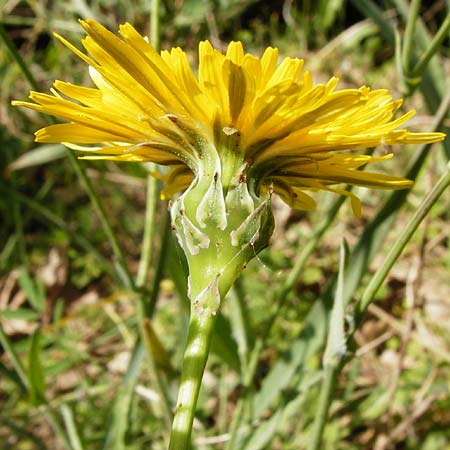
(84, 381)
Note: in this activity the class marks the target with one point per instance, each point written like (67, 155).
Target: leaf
(240, 322)
(35, 372)
(337, 342)
(38, 156)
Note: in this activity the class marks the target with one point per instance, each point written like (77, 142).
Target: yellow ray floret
(147, 106)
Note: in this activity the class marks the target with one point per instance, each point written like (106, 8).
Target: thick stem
(201, 326)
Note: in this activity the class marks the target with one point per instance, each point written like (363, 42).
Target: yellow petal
(293, 134)
(235, 52)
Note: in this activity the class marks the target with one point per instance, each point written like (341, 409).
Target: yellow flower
(267, 121)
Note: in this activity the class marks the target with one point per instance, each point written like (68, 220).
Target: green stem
(433, 85)
(196, 354)
(433, 48)
(407, 53)
(152, 182)
(154, 25)
(159, 262)
(149, 230)
(402, 240)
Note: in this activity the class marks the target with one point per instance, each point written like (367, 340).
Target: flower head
(241, 129)
(268, 122)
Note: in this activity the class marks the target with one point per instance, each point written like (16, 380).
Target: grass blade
(36, 377)
(71, 427)
(15, 361)
(39, 155)
(118, 425)
(34, 289)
